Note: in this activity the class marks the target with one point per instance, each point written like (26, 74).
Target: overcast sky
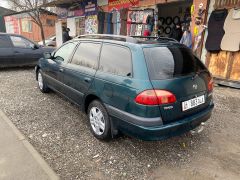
(4, 3)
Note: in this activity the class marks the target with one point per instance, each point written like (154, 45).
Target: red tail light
(210, 85)
(155, 97)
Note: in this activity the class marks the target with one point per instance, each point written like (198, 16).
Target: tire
(99, 121)
(168, 20)
(176, 20)
(41, 84)
(162, 20)
(167, 30)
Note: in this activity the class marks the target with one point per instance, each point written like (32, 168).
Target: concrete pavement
(18, 159)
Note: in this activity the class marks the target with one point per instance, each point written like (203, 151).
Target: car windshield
(168, 62)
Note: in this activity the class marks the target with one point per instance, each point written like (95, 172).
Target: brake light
(210, 85)
(155, 97)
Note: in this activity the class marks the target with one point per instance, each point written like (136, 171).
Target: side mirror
(47, 55)
(36, 46)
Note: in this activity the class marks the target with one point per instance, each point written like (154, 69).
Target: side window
(21, 42)
(64, 52)
(87, 55)
(116, 60)
(4, 42)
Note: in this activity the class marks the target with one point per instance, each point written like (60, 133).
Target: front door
(54, 72)
(6, 51)
(25, 51)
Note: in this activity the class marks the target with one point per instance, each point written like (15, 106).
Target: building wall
(35, 35)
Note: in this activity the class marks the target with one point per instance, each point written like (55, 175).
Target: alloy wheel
(40, 81)
(97, 120)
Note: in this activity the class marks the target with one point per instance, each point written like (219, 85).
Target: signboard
(82, 8)
(79, 12)
(118, 4)
(102, 2)
(91, 7)
(76, 13)
(91, 25)
(61, 12)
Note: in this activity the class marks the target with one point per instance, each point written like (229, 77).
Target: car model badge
(195, 86)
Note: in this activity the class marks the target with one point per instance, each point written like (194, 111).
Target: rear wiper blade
(195, 75)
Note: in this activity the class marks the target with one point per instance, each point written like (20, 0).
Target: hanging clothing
(215, 30)
(176, 33)
(146, 33)
(101, 17)
(231, 38)
(187, 39)
(139, 30)
(118, 23)
(109, 24)
(105, 23)
(114, 21)
(150, 22)
(123, 17)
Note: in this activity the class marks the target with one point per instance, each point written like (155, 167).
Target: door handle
(87, 80)
(61, 70)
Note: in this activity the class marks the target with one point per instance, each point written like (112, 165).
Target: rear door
(175, 69)
(79, 73)
(6, 51)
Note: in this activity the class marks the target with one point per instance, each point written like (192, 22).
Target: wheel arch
(36, 71)
(91, 97)
(88, 99)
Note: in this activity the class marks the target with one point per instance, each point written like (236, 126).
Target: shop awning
(61, 3)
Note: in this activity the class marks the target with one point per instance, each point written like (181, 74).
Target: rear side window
(116, 60)
(169, 62)
(4, 42)
(87, 55)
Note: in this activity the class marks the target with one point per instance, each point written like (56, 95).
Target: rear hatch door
(174, 68)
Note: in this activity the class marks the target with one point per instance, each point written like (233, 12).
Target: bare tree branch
(32, 8)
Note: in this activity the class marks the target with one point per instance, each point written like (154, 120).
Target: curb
(42, 163)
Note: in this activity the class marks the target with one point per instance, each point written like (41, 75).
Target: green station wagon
(152, 89)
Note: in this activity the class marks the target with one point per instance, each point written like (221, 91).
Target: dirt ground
(59, 131)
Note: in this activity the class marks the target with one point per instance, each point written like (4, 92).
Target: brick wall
(35, 35)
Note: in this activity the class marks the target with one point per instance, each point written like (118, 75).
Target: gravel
(60, 132)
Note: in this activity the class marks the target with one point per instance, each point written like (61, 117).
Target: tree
(34, 9)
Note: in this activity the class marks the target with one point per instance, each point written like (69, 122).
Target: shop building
(128, 17)
(21, 23)
(4, 12)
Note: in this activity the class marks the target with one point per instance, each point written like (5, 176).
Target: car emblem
(195, 86)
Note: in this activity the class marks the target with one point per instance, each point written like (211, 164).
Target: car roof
(12, 34)
(138, 40)
(2, 33)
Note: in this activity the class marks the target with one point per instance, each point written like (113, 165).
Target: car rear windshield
(168, 62)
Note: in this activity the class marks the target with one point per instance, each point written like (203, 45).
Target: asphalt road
(60, 132)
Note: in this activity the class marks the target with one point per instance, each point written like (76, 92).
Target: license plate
(193, 103)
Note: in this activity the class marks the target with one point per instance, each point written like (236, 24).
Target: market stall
(223, 43)
(178, 19)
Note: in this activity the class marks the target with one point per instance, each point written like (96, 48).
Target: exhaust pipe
(198, 129)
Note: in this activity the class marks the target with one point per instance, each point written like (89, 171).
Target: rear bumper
(159, 132)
